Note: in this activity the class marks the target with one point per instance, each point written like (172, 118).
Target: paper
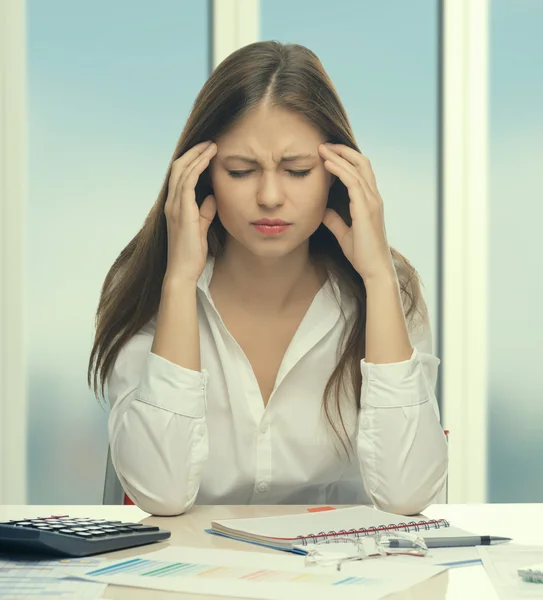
(501, 564)
(39, 578)
(257, 575)
(466, 556)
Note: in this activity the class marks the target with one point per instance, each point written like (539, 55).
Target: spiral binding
(357, 533)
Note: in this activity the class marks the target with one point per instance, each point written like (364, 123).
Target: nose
(269, 193)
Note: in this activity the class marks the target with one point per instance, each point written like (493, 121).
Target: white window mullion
(236, 23)
(13, 394)
(465, 234)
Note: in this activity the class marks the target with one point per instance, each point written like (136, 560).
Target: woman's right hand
(186, 224)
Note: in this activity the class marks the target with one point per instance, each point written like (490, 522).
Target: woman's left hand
(364, 243)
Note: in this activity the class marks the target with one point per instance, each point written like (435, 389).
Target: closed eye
(239, 174)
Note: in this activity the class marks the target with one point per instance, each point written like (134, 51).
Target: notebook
(288, 532)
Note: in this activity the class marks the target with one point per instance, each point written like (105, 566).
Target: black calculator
(63, 536)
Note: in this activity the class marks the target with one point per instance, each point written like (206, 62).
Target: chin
(269, 250)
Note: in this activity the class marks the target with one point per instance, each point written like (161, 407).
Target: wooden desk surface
(512, 520)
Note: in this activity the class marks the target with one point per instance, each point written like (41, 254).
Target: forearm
(403, 454)
(177, 335)
(387, 337)
(159, 454)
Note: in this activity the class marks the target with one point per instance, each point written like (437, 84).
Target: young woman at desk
(261, 341)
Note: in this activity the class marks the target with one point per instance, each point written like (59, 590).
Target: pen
(452, 542)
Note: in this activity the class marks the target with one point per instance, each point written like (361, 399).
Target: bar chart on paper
(255, 575)
(160, 569)
(44, 578)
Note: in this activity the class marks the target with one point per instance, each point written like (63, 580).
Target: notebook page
(292, 526)
(445, 532)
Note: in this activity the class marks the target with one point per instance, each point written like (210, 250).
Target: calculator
(64, 536)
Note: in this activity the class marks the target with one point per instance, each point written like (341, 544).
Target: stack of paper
(257, 575)
(502, 563)
(39, 578)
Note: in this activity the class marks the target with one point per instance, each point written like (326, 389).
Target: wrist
(175, 282)
(384, 280)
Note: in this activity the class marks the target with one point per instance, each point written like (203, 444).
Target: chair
(114, 493)
(443, 496)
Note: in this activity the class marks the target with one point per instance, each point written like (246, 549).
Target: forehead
(271, 128)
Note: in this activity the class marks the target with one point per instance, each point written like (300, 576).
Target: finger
(192, 175)
(361, 162)
(358, 192)
(175, 203)
(329, 154)
(209, 152)
(335, 224)
(361, 195)
(178, 172)
(189, 156)
(351, 181)
(207, 213)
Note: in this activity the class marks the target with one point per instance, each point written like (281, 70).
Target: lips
(266, 229)
(271, 222)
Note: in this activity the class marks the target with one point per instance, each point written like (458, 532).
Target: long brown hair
(285, 75)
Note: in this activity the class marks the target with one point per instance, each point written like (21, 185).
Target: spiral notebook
(288, 532)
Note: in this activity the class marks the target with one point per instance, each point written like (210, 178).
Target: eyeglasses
(340, 550)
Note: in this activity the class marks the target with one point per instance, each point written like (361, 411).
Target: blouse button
(262, 487)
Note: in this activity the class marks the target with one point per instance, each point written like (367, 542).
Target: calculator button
(97, 533)
(68, 531)
(145, 528)
(85, 534)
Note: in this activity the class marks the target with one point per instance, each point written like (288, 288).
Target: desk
(518, 521)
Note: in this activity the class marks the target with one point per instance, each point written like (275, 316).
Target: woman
(260, 340)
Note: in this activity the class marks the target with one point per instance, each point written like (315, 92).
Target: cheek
(231, 201)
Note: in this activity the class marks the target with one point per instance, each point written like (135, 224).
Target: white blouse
(179, 436)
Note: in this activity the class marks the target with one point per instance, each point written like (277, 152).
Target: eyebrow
(253, 161)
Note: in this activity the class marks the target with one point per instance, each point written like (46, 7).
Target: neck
(263, 284)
